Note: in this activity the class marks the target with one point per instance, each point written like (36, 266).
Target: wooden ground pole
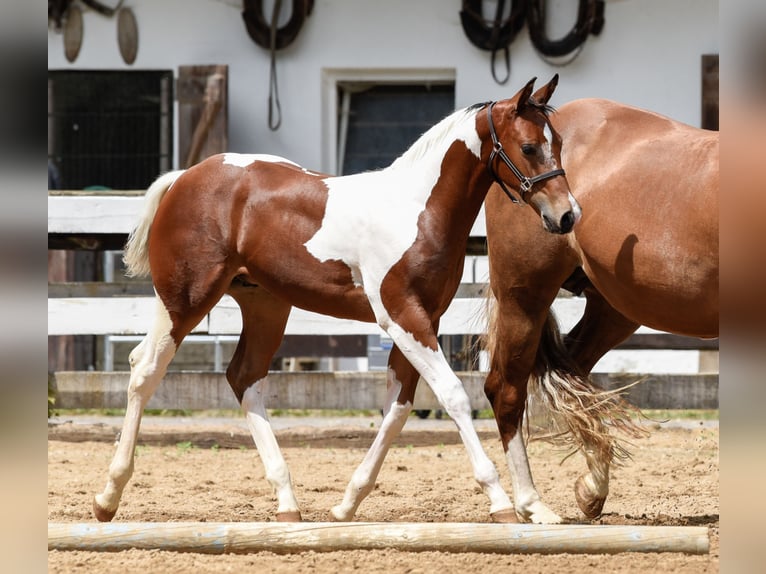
(285, 538)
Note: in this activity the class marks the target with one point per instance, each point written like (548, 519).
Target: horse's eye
(528, 149)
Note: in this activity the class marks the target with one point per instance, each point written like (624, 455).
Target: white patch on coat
(246, 159)
(371, 218)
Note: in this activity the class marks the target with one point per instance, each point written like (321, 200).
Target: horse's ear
(522, 96)
(544, 94)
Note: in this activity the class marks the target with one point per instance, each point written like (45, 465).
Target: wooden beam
(288, 538)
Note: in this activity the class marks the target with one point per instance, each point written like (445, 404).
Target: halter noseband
(525, 183)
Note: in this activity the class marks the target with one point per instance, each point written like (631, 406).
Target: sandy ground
(208, 471)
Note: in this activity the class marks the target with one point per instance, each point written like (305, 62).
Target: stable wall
(648, 54)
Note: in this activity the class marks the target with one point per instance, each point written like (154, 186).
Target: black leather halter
(525, 183)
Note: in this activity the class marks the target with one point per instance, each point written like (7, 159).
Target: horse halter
(525, 183)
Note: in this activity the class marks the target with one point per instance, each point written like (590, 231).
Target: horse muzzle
(566, 222)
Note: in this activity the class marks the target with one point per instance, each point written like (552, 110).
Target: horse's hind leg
(401, 381)
(600, 329)
(263, 324)
(148, 363)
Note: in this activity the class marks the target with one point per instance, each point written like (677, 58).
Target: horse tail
(136, 255)
(578, 412)
(581, 413)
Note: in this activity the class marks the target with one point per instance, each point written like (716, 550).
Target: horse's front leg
(401, 380)
(512, 360)
(600, 329)
(424, 353)
(509, 413)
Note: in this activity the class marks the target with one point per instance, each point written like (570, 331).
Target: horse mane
(435, 136)
(444, 131)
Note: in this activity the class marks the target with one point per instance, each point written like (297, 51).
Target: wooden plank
(88, 241)
(116, 212)
(203, 112)
(93, 214)
(187, 390)
(62, 289)
(289, 538)
(103, 316)
(667, 341)
(131, 315)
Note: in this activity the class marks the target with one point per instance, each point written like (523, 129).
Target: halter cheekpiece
(525, 183)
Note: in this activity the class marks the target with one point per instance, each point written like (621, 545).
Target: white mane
(458, 125)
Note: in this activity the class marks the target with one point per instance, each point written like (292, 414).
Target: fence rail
(123, 311)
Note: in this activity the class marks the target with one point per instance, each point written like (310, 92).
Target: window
(371, 116)
(109, 129)
(376, 123)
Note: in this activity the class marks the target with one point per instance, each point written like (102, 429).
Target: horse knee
(457, 403)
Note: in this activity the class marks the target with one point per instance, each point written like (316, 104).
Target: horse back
(648, 187)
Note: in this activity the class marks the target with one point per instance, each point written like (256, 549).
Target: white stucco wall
(648, 55)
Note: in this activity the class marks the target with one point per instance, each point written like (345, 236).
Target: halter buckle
(525, 185)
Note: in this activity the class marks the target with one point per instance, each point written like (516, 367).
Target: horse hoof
(102, 514)
(507, 516)
(590, 505)
(289, 516)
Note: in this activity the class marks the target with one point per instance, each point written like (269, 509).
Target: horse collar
(525, 183)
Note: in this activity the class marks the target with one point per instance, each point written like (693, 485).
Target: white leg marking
(149, 361)
(451, 394)
(274, 463)
(527, 501)
(363, 480)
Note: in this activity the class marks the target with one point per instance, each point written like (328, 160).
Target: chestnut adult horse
(385, 246)
(644, 253)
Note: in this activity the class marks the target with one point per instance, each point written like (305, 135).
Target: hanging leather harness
(493, 35)
(498, 33)
(268, 35)
(590, 20)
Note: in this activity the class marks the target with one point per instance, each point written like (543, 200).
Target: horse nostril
(567, 222)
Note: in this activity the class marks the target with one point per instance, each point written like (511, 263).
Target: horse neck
(453, 184)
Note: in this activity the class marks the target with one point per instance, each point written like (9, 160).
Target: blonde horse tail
(136, 255)
(580, 412)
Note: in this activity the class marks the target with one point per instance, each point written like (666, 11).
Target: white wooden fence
(104, 220)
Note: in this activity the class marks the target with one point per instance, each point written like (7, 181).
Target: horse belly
(674, 294)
